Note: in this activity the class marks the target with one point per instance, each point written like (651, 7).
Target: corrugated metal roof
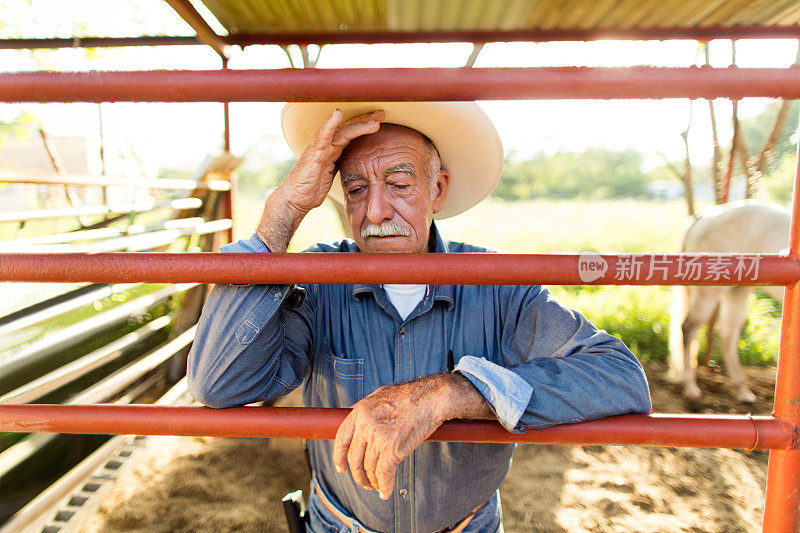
(290, 16)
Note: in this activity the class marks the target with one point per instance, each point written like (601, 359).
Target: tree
(767, 137)
(772, 130)
(263, 167)
(594, 173)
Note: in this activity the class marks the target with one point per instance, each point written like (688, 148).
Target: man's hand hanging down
(309, 181)
(386, 426)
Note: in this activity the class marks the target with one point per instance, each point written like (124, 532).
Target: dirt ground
(205, 484)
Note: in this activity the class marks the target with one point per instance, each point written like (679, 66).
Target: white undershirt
(405, 298)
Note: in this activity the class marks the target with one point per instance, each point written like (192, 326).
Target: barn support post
(782, 507)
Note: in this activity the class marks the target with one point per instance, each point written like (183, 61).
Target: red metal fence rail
(697, 431)
(458, 269)
(399, 84)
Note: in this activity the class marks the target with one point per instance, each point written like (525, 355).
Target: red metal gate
(778, 433)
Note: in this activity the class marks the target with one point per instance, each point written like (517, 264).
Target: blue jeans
(488, 519)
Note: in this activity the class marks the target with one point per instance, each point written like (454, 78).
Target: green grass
(638, 315)
(550, 226)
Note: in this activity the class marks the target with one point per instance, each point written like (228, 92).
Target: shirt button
(403, 492)
(276, 296)
(402, 331)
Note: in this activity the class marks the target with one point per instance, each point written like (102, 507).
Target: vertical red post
(229, 196)
(782, 508)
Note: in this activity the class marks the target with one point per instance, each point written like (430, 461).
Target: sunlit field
(536, 226)
(638, 315)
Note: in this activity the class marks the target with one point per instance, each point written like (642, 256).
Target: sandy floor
(204, 484)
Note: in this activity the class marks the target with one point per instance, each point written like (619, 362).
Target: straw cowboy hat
(465, 137)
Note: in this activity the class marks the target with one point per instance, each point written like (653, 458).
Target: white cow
(749, 226)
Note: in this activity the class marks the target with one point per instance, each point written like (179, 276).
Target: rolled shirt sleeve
(554, 366)
(506, 393)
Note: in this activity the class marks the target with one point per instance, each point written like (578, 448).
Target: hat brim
(462, 132)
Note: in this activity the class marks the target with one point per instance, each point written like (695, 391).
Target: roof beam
(399, 84)
(205, 33)
(285, 39)
(99, 42)
(625, 34)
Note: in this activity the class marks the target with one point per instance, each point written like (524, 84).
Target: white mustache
(385, 229)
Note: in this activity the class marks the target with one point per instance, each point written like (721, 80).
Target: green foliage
(755, 130)
(595, 173)
(779, 182)
(640, 317)
(570, 226)
(263, 168)
(637, 315)
(174, 174)
(761, 335)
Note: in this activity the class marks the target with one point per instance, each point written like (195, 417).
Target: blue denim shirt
(535, 362)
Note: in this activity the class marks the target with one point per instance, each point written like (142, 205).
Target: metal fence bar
(60, 489)
(52, 307)
(697, 431)
(458, 269)
(399, 84)
(91, 181)
(101, 391)
(59, 377)
(106, 233)
(139, 207)
(124, 377)
(136, 242)
(84, 329)
(782, 509)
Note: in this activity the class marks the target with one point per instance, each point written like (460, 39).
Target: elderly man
(405, 357)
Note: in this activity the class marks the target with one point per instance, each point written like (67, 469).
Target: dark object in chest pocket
(339, 380)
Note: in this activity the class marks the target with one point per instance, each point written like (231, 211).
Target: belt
(340, 516)
(460, 526)
(352, 524)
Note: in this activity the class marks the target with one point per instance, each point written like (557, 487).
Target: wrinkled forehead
(389, 136)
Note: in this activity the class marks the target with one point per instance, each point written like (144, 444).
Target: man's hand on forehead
(378, 115)
(311, 178)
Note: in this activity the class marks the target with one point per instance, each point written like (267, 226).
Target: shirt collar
(438, 292)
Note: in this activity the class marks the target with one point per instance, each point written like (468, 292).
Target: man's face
(387, 190)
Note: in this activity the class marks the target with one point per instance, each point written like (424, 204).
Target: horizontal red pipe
(578, 34)
(588, 34)
(450, 269)
(399, 84)
(697, 431)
